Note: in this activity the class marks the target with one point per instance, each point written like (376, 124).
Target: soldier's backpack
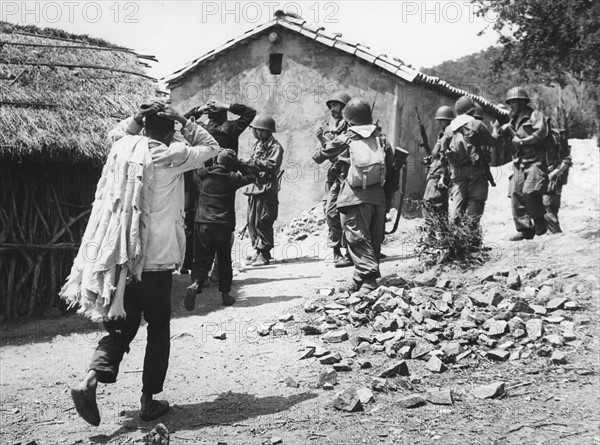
(557, 149)
(367, 162)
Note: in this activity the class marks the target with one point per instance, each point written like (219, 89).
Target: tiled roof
(297, 24)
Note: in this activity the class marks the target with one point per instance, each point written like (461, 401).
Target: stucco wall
(295, 98)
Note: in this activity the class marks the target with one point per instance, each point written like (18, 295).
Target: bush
(442, 241)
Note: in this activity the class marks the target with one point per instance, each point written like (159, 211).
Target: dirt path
(233, 390)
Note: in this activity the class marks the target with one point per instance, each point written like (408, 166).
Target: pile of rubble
(505, 316)
(309, 223)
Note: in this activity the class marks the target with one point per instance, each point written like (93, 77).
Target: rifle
(400, 157)
(424, 139)
(486, 167)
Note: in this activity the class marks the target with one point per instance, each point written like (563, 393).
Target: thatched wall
(59, 96)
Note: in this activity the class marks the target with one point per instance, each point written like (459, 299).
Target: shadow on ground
(228, 408)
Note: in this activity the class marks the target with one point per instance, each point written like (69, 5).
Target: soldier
(465, 145)
(366, 192)
(263, 201)
(326, 132)
(527, 130)
(436, 191)
(559, 161)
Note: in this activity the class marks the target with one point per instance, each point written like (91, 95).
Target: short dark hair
(159, 126)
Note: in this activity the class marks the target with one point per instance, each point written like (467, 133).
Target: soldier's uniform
(561, 162)
(529, 181)
(263, 200)
(436, 195)
(465, 145)
(327, 132)
(363, 209)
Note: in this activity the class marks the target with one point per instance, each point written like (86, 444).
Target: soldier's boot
(337, 254)
(369, 285)
(227, 299)
(540, 226)
(353, 286)
(523, 235)
(345, 261)
(261, 260)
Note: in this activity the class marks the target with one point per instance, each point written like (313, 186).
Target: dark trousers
(211, 239)
(152, 297)
(435, 200)
(364, 229)
(262, 214)
(332, 216)
(189, 239)
(468, 197)
(527, 188)
(552, 205)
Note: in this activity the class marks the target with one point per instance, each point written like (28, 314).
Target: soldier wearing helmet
(366, 191)
(263, 201)
(526, 132)
(436, 191)
(466, 145)
(326, 132)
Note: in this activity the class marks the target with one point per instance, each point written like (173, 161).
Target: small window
(275, 60)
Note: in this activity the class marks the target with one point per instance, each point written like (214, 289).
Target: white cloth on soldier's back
(117, 231)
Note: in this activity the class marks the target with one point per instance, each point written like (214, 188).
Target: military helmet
(444, 113)
(339, 96)
(263, 122)
(517, 93)
(463, 104)
(477, 112)
(358, 112)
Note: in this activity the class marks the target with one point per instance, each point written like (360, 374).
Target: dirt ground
(233, 391)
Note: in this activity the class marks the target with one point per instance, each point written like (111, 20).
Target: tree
(547, 39)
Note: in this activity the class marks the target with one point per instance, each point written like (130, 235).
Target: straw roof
(60, 94)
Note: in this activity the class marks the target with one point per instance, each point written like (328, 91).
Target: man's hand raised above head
(171, 113)
(217, 105)
(145, 110)
(171, 156)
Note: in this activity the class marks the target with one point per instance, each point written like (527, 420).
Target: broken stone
(431, 337)
(331, 359)
(571, 306)
(276, 440)
(320, 352)
(377, 348)
(497, 328)
(382, 338)
(451, 349)
(417, 316)
(365, 337)
(365, 395)
(441, 305)
(421, 349)
(506, 345)
(326, 291)
(308, 353)
(378, 384)
(335, 336)
(334, 307)
(555, 319)
(491, 298)
(348, 401)
(498, 355)
(310, 306)
(220, 336)
(278, 329)
(545, 293)
(439, 397)
(514, 355)
(569, 336)
(519, 333)
(538, 309)
(286, 318)
(558, 358)
(535, 328)
(400, 368)
(435, 364)
(411, 402)
(442, 284)
(520, 306)
(291, 382)
(311, 330)
(328, 386)
(364, 363)
(545, 351)
(447, 297)
(489, 342)
(516, 323)
(514, 282)
(404, 351)
(489, 391)
(556, 303)
(353, 300)
(327, 376)
(554, 339)
(342, 367)
(363, 347)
